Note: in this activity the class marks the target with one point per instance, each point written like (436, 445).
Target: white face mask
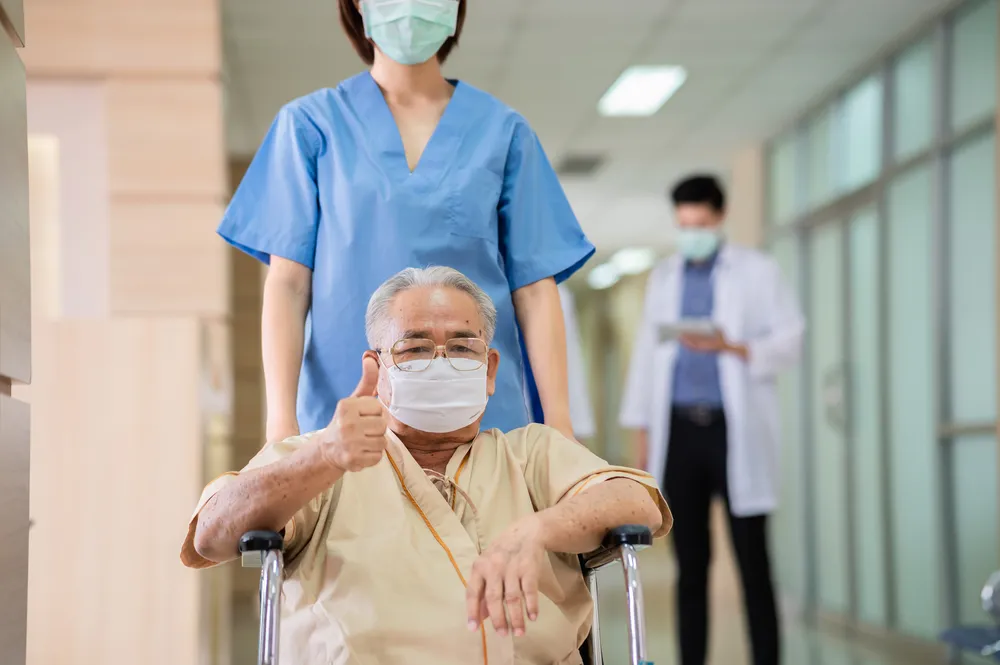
(439, 399)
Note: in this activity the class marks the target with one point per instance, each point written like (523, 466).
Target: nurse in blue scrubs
(394, 168)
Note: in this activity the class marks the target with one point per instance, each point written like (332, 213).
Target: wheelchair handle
(621, 544)
(264, 549)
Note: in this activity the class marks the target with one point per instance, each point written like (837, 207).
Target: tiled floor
(802, 646)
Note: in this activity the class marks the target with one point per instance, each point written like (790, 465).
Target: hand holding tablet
(670, 332)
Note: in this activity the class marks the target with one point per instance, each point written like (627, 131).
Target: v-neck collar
(384, 134)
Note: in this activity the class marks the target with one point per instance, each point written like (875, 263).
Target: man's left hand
(713, 343)
(505, 579)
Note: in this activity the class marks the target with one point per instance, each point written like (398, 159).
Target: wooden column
(132, 389)
(745, 216)
(15, 336)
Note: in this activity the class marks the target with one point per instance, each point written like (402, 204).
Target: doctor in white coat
(705, 405)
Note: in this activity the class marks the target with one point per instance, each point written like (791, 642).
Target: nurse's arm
(578, 524)
(287, 292)
(265, 498)
(540, 316)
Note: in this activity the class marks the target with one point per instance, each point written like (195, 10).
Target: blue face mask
(409, 32)
(698, 244)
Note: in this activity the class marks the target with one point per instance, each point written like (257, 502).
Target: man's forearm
(282, 339)
(578, 524)
(262, 499)
(540, 316)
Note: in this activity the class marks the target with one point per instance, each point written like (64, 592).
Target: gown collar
(383, 134)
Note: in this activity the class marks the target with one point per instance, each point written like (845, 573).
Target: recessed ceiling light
(634, 260)
(603, 276)
(641, 91)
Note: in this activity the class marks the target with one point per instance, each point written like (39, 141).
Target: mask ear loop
(446, 485)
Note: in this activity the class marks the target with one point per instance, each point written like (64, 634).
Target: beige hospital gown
(376, 565)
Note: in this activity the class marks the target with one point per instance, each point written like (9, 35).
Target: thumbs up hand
(355, 438)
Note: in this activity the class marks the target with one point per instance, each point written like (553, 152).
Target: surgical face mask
(697, 244)
(440, 398)
(410, 32)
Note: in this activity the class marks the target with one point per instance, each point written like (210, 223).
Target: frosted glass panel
(819, 138)
(974, 64)
(866, 418)
(913, 108)
(972, 287)
(783, 172)
(788, 522)
(975, 485)
(862, 136)
(827, 412)
(912, 444)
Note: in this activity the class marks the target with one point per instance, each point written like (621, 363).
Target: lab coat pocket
(475, 201)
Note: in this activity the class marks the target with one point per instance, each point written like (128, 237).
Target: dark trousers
(695, 472)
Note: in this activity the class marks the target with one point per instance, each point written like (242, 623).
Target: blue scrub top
(330, 188)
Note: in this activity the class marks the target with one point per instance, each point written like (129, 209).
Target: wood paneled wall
(131, 405)
(15, 336)
(116, 444)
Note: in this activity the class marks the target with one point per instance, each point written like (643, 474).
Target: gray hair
(377, 316)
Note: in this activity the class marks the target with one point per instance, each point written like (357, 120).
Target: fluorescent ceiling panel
(641, 91)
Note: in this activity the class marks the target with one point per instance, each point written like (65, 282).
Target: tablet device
(669, 332)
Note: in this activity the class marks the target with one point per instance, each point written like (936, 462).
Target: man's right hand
(355, 438)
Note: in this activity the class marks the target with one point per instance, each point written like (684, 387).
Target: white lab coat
(753, 305)
(581, 412)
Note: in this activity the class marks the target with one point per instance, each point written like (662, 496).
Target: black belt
(702, 416)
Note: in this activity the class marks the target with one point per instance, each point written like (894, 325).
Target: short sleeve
(539, 234)
(275, 210)
(557, 468)
(297, 531)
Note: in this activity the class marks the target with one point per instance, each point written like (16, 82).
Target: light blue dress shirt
(696, 374)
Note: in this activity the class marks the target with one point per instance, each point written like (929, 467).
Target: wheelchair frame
(264, 549)
(983, 641)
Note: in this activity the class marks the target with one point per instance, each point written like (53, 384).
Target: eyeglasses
(466, 354)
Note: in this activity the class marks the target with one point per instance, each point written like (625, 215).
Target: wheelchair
(983, 641)
(263, 549)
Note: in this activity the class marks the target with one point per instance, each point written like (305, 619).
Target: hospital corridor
(513, 332)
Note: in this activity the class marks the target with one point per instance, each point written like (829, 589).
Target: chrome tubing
(596, 654)
(633, 593)
(271, 575)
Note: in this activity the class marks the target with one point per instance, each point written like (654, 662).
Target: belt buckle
(701, 416)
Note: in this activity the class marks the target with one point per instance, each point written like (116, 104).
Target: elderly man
(411, 535)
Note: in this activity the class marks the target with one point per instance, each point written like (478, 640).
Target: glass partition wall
(882, 209)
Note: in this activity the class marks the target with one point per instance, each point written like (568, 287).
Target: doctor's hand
(713, 343)
(355, 438)
(505, 579)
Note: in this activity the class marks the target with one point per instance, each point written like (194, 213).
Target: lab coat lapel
(664, 355)
(726, 311)
(728, 315)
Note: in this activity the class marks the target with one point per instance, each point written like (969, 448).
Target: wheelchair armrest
(632, 535)
(255, 545)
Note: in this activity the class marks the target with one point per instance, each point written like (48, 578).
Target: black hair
(700, 189)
